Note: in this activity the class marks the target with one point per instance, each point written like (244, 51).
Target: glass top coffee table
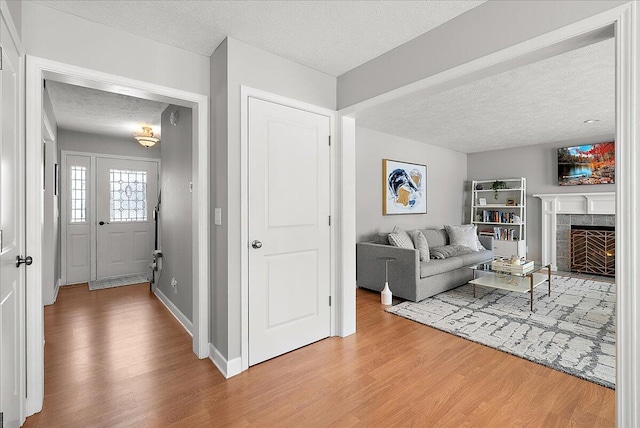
(521, 282)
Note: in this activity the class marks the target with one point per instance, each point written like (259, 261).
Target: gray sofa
(409, 278)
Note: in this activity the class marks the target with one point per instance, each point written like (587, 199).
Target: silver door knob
(27, 261)
(256, 244)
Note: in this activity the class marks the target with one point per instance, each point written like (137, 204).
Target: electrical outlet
(174, 284)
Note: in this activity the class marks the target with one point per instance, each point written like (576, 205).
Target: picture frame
(511, 202)
(404, 187)
(482, 202)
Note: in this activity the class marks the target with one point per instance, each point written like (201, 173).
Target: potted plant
(496, 186)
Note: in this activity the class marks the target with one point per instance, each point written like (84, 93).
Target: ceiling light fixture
(591, 121)
(146, 137)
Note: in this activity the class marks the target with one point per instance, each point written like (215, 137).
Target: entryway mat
(120, 281)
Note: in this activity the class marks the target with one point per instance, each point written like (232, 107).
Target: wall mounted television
(586, 164)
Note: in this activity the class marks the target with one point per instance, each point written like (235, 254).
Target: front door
(126, 192)
(289, 207)
(12, 237)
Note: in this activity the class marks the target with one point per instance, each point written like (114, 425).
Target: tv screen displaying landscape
(588, 164)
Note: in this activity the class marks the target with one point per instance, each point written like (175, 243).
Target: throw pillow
(400, 238)
(465, 235)
(421, 244)
(446, 251)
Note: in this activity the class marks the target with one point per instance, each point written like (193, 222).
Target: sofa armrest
(487, 242)
(403, 273)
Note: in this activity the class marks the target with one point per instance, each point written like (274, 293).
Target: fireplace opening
(592, 249)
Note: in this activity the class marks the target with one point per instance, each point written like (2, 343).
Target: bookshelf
(501, 213)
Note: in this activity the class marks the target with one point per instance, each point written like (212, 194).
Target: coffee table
(519, 282)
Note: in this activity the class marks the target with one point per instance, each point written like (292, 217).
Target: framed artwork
(404, 188)
(588, 164)
(511, 202)
(482, 202)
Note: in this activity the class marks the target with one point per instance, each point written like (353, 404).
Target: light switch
(217, 216)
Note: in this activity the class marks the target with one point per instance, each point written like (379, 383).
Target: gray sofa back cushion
(436, 237)
(382, 238)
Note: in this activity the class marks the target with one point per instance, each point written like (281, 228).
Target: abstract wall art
(404, 188)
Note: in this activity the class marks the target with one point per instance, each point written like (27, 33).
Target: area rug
(120, 281)
(572, 331)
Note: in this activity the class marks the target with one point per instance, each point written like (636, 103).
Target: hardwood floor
(117, 357)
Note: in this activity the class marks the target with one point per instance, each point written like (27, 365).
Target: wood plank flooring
(117, 357)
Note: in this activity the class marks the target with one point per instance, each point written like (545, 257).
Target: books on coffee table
(505, 265)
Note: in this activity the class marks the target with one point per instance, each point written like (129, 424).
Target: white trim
(177, 313)
(39, 69)
(624, 17)
(227, 368)
(55, 292)
(245, 93)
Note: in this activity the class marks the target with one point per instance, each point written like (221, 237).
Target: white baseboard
(227, 368)
(55, 292)
(182, 319)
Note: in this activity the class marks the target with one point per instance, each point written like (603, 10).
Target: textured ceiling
(90, 110)
(330, 36)
(547, 101)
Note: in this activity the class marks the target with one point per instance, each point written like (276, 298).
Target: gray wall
(105, 144)
(446, 177)
(483, 30)
(219, 331)
(51, 223)
(15, 9)
(176, 221)
(253, 67)
(539, 165)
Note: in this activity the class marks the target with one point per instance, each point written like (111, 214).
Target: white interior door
(289, 232)
(12, 238)
(126, 192)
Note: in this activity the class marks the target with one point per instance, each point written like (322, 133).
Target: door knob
(27, 261)
(102, 223)
(256, 244)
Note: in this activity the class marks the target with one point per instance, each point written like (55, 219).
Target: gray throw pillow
(421, 244)
(446, 251)
(400, 238)
(465, 235)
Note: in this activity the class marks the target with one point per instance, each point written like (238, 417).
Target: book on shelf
(504, 234)
(492, 216)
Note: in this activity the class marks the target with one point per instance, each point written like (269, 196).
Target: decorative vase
(386, 295)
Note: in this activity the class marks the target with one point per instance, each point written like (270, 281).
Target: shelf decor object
(505, 218)
(404, 188)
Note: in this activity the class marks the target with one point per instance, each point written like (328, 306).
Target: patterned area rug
(120, 281)
(572, 331)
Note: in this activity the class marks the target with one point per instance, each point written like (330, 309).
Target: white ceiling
(90, 110)
(547, 101)
(330, 36)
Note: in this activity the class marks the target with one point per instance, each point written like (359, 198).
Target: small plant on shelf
(497, 185)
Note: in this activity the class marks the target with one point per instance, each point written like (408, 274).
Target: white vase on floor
(386, 295)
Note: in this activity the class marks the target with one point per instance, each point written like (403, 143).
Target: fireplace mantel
(569, 203)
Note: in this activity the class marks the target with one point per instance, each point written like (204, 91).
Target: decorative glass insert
(128, 201)
(78, 194)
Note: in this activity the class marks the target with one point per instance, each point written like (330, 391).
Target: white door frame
(39, 69)
(624, 17)
(64, 208)
(245, 93)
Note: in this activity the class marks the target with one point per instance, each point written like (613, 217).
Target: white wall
(104, 144)
(539, 165)
(258, 69)
(15, 9)
(446, 177)
(485, 29)
(176, 210)
(59, 36)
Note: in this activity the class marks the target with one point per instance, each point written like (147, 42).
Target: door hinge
(329, 300)
(329, 139)
(329, 220)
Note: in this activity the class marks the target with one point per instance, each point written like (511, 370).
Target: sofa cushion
(476, 257)
(434, 267)
(400, 238)
(421, 244)
(466, 235)
(436, 237)
(382, 238)
(446, 251)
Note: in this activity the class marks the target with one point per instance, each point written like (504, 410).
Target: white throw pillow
(465, 235)
(400, 238)
(421, 244)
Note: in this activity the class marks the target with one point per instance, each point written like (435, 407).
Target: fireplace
(592, 249)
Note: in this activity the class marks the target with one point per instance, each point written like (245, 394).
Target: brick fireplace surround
(560, 211)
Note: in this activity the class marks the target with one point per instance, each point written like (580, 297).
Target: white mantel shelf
(569, 203)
